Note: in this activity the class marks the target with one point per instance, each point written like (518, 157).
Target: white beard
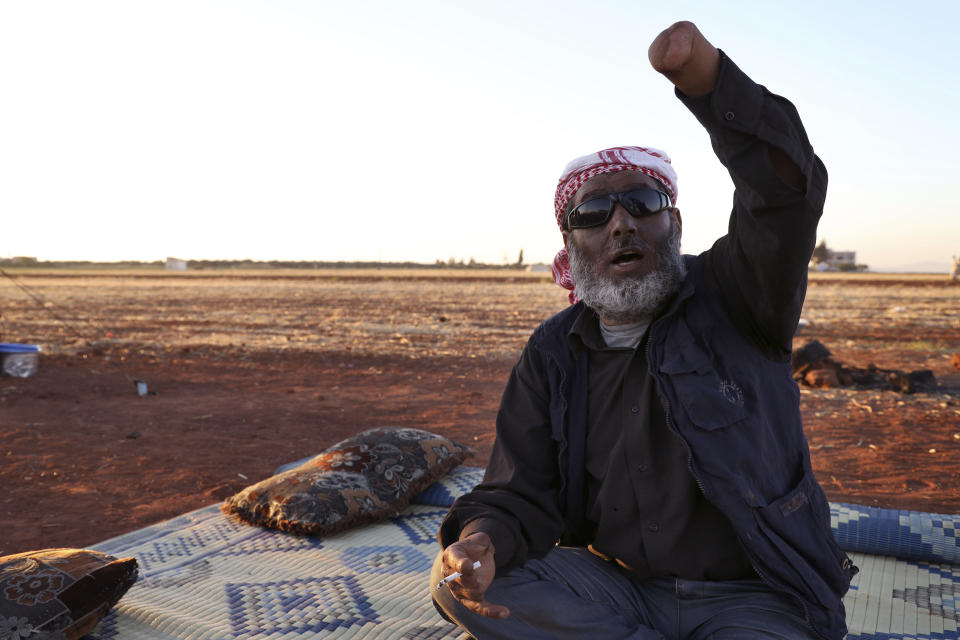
(639, 300)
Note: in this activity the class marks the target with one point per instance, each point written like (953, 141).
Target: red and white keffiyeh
(647, 160)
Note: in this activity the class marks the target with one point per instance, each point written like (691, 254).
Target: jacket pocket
(709, 400)
(800, 551)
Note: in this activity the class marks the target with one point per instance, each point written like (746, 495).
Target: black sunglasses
(597, 211)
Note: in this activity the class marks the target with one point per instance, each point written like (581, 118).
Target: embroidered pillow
(60, 594)
(362, 479)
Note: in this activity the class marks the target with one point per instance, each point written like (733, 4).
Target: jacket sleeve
(517, 503)
(759, 268)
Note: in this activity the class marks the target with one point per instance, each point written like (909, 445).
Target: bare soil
(249, 370)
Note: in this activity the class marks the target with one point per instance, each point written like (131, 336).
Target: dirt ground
(248, 371)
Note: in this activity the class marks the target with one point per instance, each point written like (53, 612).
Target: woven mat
(205, 576)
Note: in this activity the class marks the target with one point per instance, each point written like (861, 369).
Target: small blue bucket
(19, 360)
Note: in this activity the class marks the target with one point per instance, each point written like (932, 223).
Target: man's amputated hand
(470, 588)
(686, 58)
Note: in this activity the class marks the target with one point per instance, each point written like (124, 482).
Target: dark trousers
(571, 593)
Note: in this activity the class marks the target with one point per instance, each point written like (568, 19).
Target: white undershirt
(623, 335)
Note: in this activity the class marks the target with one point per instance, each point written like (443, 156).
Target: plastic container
(19, 360)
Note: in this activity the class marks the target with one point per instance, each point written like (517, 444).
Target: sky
(435, 129)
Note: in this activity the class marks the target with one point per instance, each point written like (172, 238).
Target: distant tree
(821, 253)
(520, 259)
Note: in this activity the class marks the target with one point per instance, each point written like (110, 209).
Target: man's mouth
(626, 256)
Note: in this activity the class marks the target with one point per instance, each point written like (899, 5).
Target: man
(650, 477)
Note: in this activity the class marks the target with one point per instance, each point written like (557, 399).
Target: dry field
(249, 370)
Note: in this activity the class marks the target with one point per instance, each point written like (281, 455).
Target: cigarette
(455, 575)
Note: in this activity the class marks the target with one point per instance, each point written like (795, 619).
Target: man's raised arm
(688, 60)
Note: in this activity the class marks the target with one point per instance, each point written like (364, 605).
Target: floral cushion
(59, 594)
(362, 479)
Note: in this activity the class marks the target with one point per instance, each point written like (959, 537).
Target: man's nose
(621, 222)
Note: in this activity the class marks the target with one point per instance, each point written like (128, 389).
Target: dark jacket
(720, 361)
(738, 413)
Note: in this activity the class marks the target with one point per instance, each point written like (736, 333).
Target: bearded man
(650, 476)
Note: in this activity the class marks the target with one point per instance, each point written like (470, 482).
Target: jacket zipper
(667, 409)
(564, 443)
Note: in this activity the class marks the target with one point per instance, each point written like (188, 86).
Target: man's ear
(566, 235)
(679, 219)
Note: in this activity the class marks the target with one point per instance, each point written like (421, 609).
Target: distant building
(837, 261)
(539, 268)
(838, 258)
(176, 264)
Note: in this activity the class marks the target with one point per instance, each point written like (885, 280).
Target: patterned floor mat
(205, 576)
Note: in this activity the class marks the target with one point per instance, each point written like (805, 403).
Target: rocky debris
(810, 353)
(814, 367)
(825, 378)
